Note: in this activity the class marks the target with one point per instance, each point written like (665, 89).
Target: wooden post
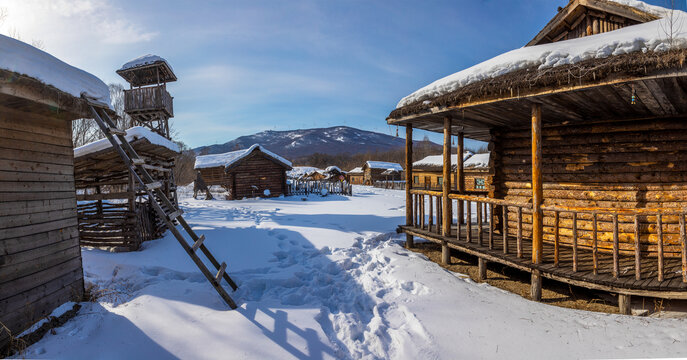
(519, 236)
(595, 245)
(683, 247)
(659, 239)
(638, 263)
(616, 245)
(537, 189)
(446, 187)
(482, 269)
(556, 238)
(460, 174)
(504, 209)
(574, 234)
(410, 243)
(624, 304)
(535, 290)
(491, 226)
(479, 222)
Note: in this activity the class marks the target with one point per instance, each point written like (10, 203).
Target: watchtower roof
(147, 70)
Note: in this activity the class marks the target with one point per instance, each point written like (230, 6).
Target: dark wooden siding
(260, 171)
(610, 165)
(40, 258)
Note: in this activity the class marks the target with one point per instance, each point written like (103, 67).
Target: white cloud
(72, 19)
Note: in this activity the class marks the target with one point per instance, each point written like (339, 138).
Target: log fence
(306, 187)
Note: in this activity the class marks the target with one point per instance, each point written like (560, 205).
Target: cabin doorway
(428, 182)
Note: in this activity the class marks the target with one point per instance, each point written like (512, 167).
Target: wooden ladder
(153, 188)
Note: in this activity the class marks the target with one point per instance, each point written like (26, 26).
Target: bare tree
(671, 22)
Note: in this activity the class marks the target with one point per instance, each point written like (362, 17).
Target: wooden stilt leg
(535, 292)
(482, 267)
(410, 242)
(445, 253)
(624, 302)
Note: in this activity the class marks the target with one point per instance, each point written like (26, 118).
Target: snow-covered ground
(325, 278)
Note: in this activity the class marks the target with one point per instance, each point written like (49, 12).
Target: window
(479, 184)
(440, 180)
(416, 179)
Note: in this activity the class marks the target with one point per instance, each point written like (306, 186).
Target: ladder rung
(198, 242)
(138, 161)
(175, 215)
(116, 131)
(154, 185)
(220, 273)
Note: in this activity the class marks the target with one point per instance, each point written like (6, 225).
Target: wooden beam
(537, 188)
(409, 183)
(446, 187)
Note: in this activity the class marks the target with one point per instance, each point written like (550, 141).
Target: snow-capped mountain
(297, 143)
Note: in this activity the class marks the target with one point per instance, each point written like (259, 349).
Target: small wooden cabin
(428, 172)
(40, 257)
(246, 173)
(373, 171)
(356, 176)
(115, 213)
(587, 181)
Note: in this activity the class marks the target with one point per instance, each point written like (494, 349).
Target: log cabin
(40, 257)
(428, 172)
(587, 179)
(250, 172)
(115, 212)
(372, 171)
(356, 176)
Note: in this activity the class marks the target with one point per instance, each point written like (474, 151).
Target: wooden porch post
(409, 183)
(460, 175)
(446, 187)
(537, 198)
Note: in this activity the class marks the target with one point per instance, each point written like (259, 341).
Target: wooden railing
(497, 215)
(152, 98)
(593, 215)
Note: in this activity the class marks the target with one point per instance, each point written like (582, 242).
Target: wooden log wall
(114, 212)
(259, 171)
(40, 258)
(610, 165)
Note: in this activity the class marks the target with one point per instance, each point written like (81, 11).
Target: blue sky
(249, 66)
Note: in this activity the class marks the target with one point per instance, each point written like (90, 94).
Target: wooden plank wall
(639, 164)
(40, 258)
(259, 171)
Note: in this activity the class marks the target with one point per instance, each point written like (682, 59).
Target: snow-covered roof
(383, 165)
(137, 132)
(143, 61)
(25, 59)
(298, 171)
(227, 159)
(470, 160)
(477, 161)
(438, 160)
(642, 6)
(333, 169)
(357, 170)
(650, 36)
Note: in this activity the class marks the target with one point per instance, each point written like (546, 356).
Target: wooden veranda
(587, 181)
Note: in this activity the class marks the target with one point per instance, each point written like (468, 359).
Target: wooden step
(115, 131)
(220, 273)
(175, 215)
(198, 242)
(154, 185)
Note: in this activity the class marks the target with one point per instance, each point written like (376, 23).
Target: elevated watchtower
(147, 101)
